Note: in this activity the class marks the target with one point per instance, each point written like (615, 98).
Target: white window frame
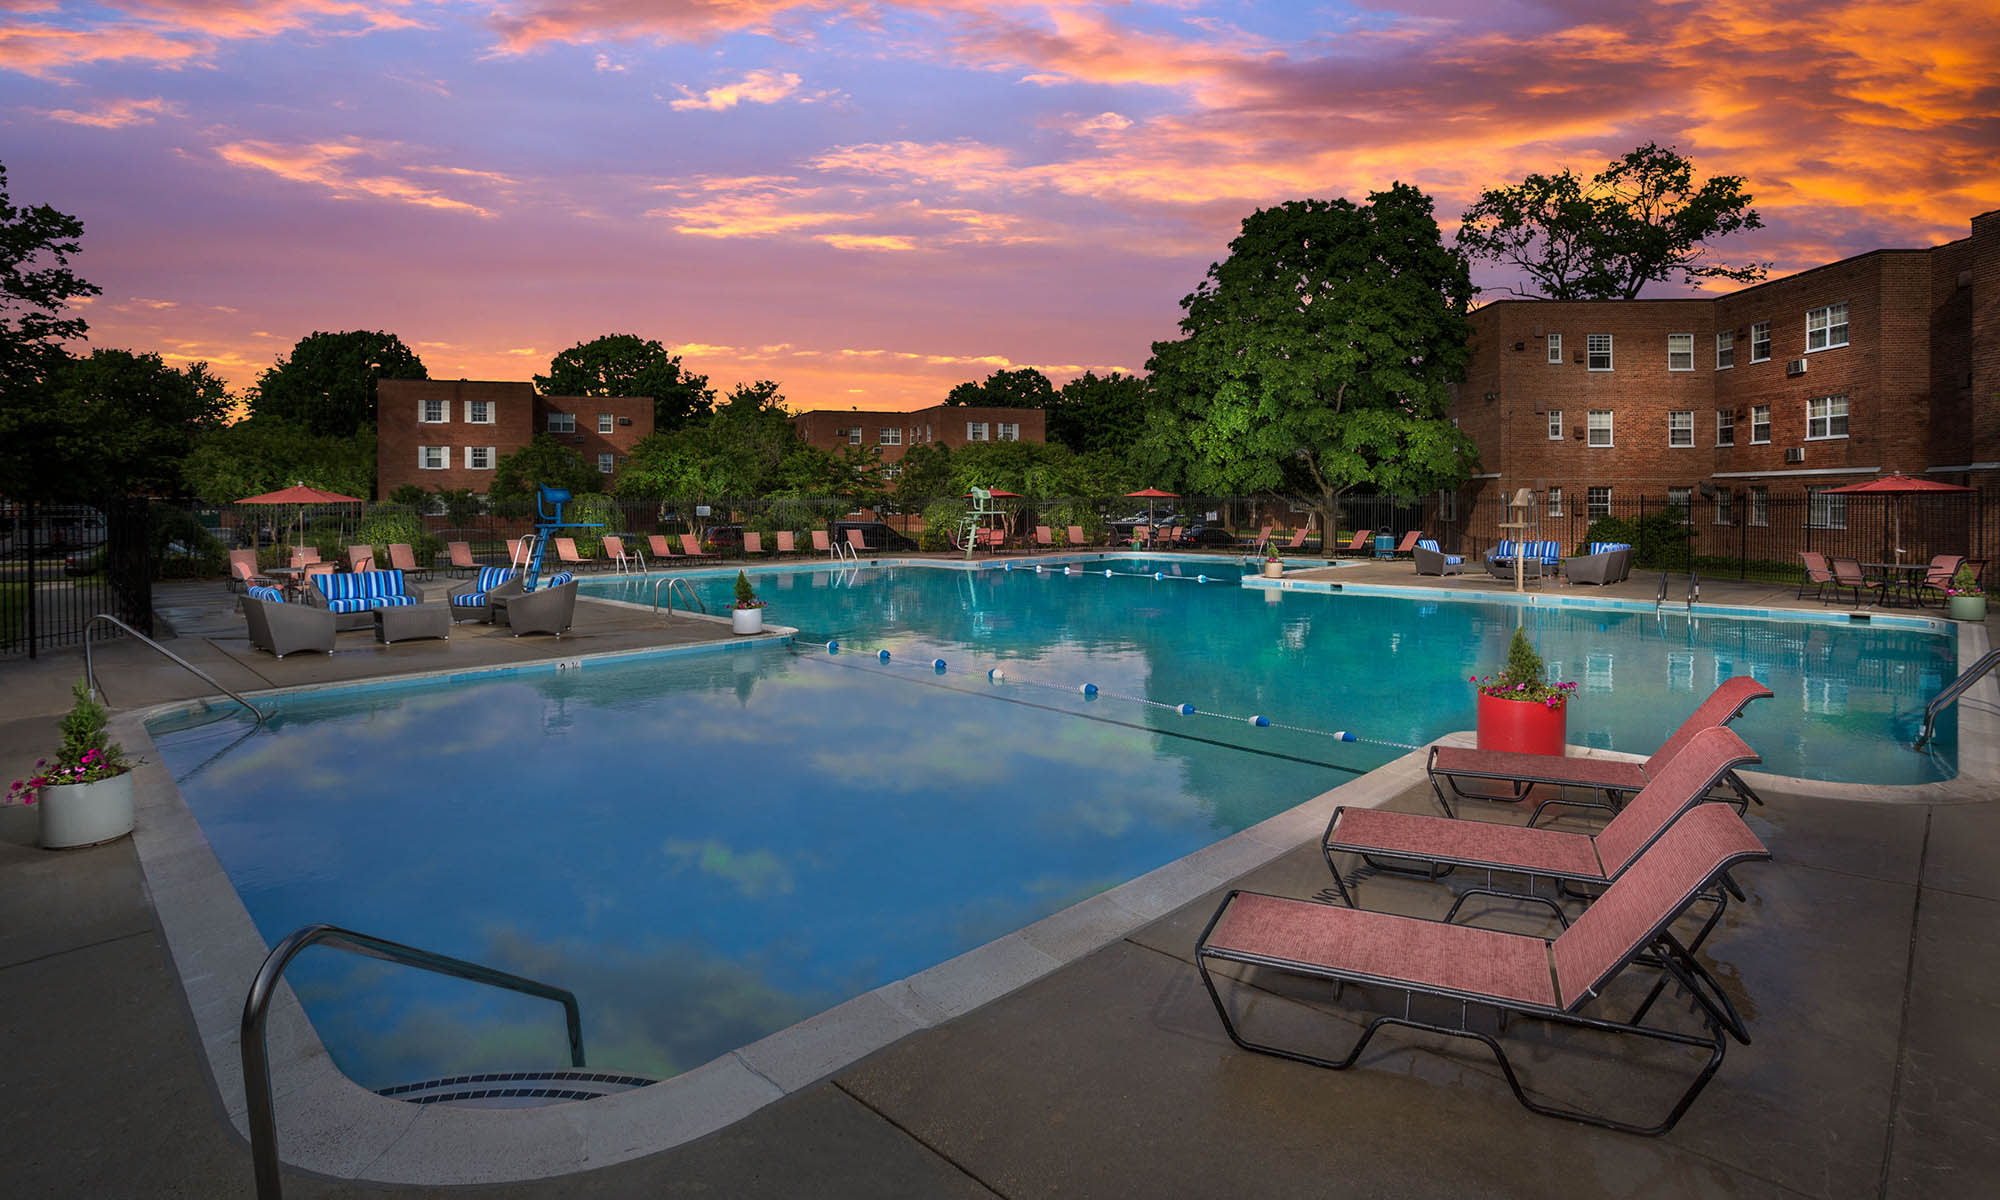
(1826, 418)
(1555, 347)
(1591, 352)
(1764, 424)
(1684, 497)
(890, 437)
(1680, 352)
(1007, 431)
(426, 407)
(854, 436)
(1760, 504)
(1555, 502)
(1596, 503)
(1760, 342)
(479, 458)
(1725, 504)
(433, 458)
(1820, 323)
(1680, 421)
(1725, 350)
(1592, 427)
(975, 431)
(562, 422)
(1825, 510)
(607, 462)
(1725, 427)
(1555, 424)
(478, 412)
(607, 423)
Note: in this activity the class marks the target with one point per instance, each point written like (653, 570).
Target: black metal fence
(60, 565)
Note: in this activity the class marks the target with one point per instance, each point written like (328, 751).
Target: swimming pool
(708, 848)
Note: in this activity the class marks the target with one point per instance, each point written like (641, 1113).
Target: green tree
(327, 384)
(1094, 412)
(624, 364)
(461, 505)
(1638, 221)
(542, 460)
(1316, 358)
(35, 285)
(923, 473)
(1024, 387)
(263, 454)
(409, 495)
(122, 423)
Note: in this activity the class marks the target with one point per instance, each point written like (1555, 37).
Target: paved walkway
(1862, 961)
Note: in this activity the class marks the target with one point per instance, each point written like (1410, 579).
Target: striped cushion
(560, 578)
(360, 591)
(1549, 552)
(468, 600)
(268, 595)
(489, 578)
(1504, 548)
(1429, 544)
(1607, 547)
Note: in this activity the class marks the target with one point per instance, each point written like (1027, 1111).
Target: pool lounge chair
(1297, 544)
(1077, 538)
(1045, 538)
(1610, 778)
(361, 558)
(615, 553)
(1432, 561)
(404, 559)
(1514, 975)
(1848, 576)
(461, 557)
(823, 544)
(281, 628)
(1409, 543)
(1819, 576)
(753, 543)
(788, 542)
(1360, 542)
(1567, 859)
(857, 543)
(691, 550)
(567, 555)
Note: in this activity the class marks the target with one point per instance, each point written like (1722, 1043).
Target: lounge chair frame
(1657, 948)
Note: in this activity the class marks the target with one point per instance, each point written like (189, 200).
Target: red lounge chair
(1608, 777)
(404, 559)
(1508, 973)
(1045, 537)
(857, 543)
(1076, 537)
(1360, 542)
(822, 544)
(661, 548)
(461, 556)
(614, 552)
(1566, 858)
(692, 551)
(1818, 575)
(1408, 545)
(361, 558)
(788, 542)
(753, 543)
(566, 554)
(1297, 543)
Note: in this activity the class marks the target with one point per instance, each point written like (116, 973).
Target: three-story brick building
(447, 434)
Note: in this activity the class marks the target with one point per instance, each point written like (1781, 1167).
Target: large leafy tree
(1023, 387)
(126, 421)
(542, 460)
(1099, 412)
(624, 364)
(1317, 357)
(263, 454)
(1641, 220)
(327, 384)
(35, 285)
(746, 447)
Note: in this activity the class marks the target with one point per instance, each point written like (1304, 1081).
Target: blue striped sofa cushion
(1431, 545)
(489, 578)
(268, 595)
(1607, 547)
(560, 578)
(1549, 552)
(360, 591)
(1504, 548)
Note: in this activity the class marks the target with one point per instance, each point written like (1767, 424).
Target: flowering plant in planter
(1524, 678)
(85, 756)
(1964, 583)
(746, 596)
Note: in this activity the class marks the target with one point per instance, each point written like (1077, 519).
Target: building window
(479, 458)
(1725, 427)
(1007, 431)
(606, 422)
(890, 437)
(1826, 327)
(1680, 428)
(1826, 417)
(1555, 347)
(562, 422)
(478, 412)
(1680, 352)
(1724, 501)
(854, 436)
(1825, 510)
(606, 463)
(1597, 347)
(1599, 427)
(1760, 425)
(433, 458)
(1760, 505)
(1596, 503)
(1683, 499)
(1760, 342)
(432, 412)
(1555, 424)
(1725, 350)
(975, 431)
(1555, 502)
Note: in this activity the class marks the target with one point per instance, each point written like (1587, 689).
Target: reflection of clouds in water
(756, 874)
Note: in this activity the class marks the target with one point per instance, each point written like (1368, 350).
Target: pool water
(707, 848)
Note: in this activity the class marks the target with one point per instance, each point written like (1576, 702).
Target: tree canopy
(1640, 220)
(327, 384)
(1317, 357)
(35, 284)
(542, 460)
(263, 454)
(1023, 387)
(746, 447)
(624, 364)
(1099, 413)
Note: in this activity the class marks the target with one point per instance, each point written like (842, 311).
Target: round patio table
(1903, 579)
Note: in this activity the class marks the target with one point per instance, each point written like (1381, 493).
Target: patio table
(1904, 579)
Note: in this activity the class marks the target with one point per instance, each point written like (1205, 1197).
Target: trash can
(1385, 545)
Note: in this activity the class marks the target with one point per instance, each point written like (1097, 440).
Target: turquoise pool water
(710, 847)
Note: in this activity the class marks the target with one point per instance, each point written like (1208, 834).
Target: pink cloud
(756, 87)
(341, 169)
(116, 114)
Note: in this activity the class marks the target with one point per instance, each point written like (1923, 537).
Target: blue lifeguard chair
(549, 503)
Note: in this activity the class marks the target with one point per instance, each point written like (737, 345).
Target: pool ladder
(1949, 696)
(1693, 594)
(256, 1061)
(673, 584)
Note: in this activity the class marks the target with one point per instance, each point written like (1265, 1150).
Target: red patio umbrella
(1896, 485)
(301, 495)
(1149, 495)
(997, 494)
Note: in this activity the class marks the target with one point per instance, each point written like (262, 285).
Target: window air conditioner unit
(1796, 366)
(1795, 455)
(624, 420)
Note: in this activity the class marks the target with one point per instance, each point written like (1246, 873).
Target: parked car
(1210, 535)
(875, 534)
(84, 562)
(725, 539)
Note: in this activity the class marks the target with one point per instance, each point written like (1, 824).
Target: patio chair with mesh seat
(1848, 576)
(1819, 576)
(1563, 981)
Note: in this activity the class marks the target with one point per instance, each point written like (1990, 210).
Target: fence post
(33, 545)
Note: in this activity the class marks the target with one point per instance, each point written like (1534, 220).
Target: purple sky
(871, 202)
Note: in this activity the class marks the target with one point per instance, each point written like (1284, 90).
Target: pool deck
(1863, 962)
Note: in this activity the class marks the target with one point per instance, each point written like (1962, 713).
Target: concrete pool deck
(1111, 1075)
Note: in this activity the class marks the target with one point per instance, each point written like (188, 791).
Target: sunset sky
(872, 201)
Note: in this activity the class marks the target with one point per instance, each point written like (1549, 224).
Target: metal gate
(61, 564)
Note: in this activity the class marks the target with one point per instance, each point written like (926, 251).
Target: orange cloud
(116, 114)
(335, 167)
(757, 87)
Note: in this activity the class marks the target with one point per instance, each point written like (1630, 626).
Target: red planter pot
(1523, 727)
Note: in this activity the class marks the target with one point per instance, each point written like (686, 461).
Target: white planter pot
(1968, 608)
(746, 620)
(84, 814)
(1273, 570)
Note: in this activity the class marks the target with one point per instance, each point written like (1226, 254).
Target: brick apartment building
(438, 433)
(1888, 362)
(896, 432)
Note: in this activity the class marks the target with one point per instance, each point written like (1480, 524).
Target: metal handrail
(90, 664)
(257, 1064)
(686, 588)
(1956, 688)
(1662, 597)
(1694, 586)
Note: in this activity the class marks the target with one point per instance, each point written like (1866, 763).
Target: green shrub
(384, 526)
(1611, 529)
(1075, 512)
(592, 508)
(183, 548)
(941, 520)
